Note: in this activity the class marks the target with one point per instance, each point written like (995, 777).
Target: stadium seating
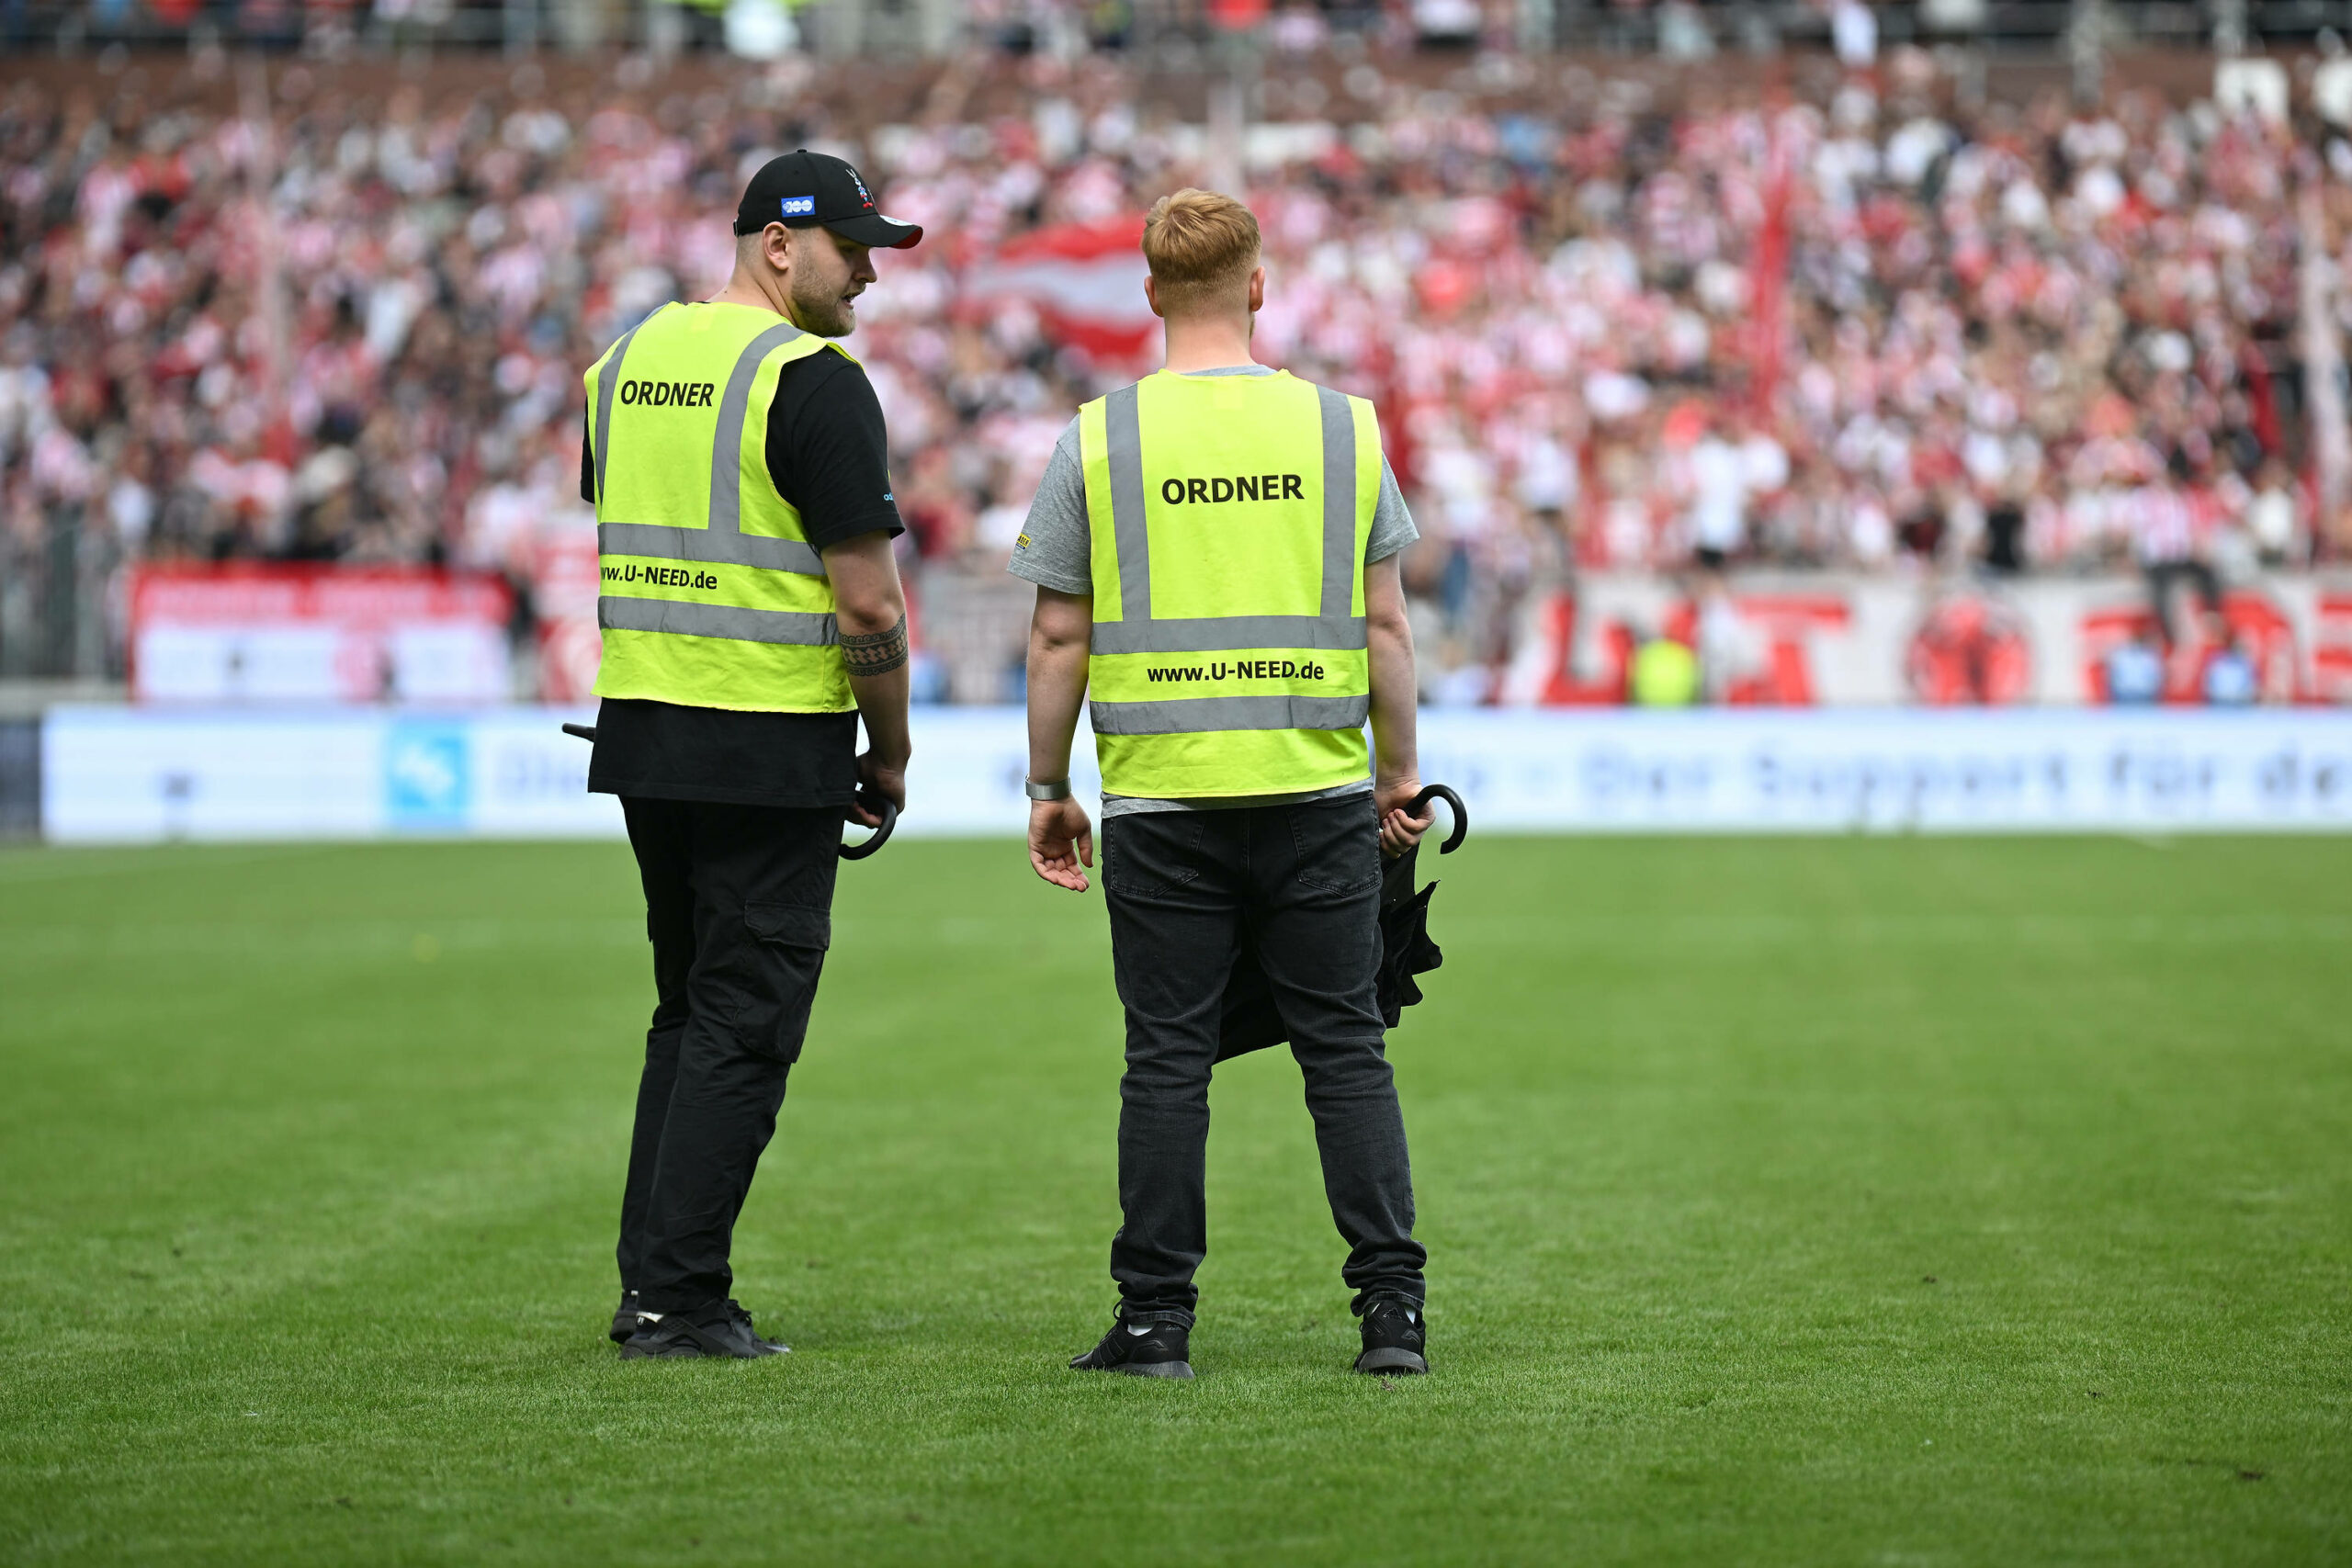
(1859, 322)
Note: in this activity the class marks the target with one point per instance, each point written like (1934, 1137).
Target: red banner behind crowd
(1085, 280)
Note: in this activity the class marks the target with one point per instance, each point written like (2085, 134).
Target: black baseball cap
(803, 190)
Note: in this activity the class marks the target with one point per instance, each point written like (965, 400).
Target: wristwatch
(1051, 789)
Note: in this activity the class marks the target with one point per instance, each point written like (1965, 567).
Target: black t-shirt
(829, 458)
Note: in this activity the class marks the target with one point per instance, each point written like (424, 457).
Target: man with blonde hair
(1215, 555)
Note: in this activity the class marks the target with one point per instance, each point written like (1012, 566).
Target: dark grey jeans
(1302, 885)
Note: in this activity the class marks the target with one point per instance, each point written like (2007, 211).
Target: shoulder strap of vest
(606, 384)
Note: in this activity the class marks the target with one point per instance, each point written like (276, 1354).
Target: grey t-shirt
(1056, 551)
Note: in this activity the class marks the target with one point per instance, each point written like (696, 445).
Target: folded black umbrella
(1251, 1021)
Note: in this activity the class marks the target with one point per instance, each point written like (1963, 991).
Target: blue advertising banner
(116, 774)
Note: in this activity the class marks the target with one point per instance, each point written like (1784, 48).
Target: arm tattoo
(876, 653)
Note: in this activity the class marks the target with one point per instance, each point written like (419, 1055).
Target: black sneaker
(1147, 1347)
(722, 1328)
(625, 1318)
(1396, 1337)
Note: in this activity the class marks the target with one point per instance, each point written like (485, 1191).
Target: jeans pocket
(1338, 844)
(1147, 852)
(783, 956)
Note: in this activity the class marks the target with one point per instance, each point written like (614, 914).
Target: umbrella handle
(1461, 815)
(849, 851)
(881, 835)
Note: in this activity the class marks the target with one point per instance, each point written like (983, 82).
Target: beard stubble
(819, 307)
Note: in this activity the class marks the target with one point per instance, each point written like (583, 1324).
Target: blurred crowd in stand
(2003, 338)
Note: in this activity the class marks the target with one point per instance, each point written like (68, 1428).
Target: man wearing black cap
(752, 615)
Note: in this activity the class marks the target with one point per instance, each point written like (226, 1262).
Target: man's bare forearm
(1388, 637)
(1058, 651)
(1057, 687)
(1395, 740)
(870, 608)
(877, 679)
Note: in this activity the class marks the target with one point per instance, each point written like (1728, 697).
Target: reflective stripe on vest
(729, 621)
(660, 543)
(1140, 631)
(681, 582)
(608, 379)
(1189, 716)
(1270, 698)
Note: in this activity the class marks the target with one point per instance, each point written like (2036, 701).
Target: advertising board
(274, 633)
(132, 774)
(113, 774)
(1844, 639)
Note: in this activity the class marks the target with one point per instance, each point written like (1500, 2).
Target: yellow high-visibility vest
(708, 591)
(1665, 675)
(1228, 517)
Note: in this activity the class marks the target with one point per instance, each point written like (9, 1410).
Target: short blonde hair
(1202, 248)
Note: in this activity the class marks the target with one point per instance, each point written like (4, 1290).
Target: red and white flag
(1084, 279)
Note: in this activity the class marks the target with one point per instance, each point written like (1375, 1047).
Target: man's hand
(1395, 764)
(1399, 830)
(878, 780)
(1060, 840)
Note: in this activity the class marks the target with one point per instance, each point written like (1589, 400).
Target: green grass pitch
(1811, 1201)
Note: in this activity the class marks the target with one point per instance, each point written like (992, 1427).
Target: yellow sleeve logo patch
(1022, 542)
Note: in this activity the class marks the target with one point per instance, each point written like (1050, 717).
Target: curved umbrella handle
(1461, 815)
(880, 836)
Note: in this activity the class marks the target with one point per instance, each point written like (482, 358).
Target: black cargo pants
(739, 903)
(1301, 883)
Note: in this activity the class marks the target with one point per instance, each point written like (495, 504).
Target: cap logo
(863, 194)
(800, 207)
